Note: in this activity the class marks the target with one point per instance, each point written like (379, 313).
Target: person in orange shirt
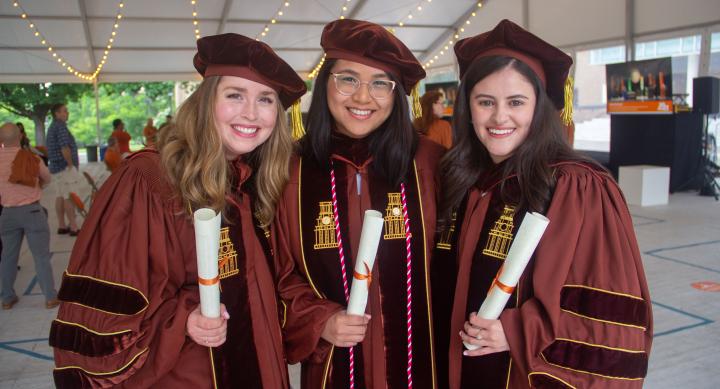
(150, 134)
(430, 123)
(122, 137)
(113, 158)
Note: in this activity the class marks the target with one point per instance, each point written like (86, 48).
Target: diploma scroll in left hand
(207, 245)
(369, 241)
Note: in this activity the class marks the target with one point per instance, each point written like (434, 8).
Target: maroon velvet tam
(372, 45)
(508, 39)
(236, 55)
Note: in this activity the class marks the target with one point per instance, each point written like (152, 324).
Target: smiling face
(245, 114)
(358, 114)
(502, 107)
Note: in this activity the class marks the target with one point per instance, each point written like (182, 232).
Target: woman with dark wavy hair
(580, 315)
(360, 152)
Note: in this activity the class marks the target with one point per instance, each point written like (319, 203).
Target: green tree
(33, 101)
(134, 103)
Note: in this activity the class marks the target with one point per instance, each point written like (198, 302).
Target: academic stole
(500, 224)
(322, 261)
(235, 363)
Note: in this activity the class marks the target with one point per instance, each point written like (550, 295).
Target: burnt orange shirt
(112, 159)
(123, 139)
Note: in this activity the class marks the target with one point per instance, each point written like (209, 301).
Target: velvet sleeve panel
(307, 310)
(129, 287)
(589, 323)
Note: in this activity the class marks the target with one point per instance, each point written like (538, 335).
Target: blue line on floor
(34, 280)
(6, 346)
(652, 220)
(703, 321)
(653, 253)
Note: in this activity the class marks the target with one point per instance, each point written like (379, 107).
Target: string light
(417, 9)
(453, 38)
(62, 61)
(266, 28)
(345, 9)
(195, 21)
(316, 69)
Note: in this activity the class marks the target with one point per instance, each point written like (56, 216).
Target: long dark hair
(468, 159)
(428, 115)
(392, 145)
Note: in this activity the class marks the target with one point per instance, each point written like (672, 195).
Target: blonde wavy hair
(192, 155)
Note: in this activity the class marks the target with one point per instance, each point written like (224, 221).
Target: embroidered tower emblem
(227, 256)
(325, 227)
(501, 235)
(445, 241)
(394, 223)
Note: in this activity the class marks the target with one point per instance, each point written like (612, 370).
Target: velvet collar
(354, 150)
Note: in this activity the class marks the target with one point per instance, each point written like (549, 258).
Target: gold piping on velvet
(327, 366)
(104, 296)
(605, 291)
(84, 341)
(427, 281)
(302, 249)
(94, 373)
(212, 367)
(93, 331)
(547, 377)
(604, 306)
(599, 360)
(604, 321)
(284, 320)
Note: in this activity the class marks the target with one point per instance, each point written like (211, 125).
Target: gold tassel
(416, 107)
(298, 131)
(567, 112)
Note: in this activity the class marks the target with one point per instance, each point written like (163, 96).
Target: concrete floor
(680, 243)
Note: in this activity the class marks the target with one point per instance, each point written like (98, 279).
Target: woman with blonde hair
(129, 315)
(430, 123)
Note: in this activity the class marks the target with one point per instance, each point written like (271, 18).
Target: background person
(431, 123)
(22, 175)
(122, 136)
(63, 163)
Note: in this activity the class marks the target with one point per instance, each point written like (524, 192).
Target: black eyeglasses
(347, 84)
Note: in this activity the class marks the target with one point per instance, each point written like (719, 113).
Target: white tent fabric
(156, 41)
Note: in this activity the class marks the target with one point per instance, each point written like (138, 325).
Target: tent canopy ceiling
(155, 39)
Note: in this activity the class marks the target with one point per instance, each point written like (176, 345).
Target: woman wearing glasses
(360, 152)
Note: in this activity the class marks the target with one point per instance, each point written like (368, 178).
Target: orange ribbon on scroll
(208, 281)
(496, 282)
(367, 276)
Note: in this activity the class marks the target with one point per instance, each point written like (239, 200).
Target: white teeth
(245, 130)
(360, 112)
(496, 131)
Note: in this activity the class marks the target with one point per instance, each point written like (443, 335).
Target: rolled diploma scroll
(522, 248)
(207, 245)
(369, 241)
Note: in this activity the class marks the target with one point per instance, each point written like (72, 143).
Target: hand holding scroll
(486, 334)
(523, 246)
(362, 276)
(207, 245)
